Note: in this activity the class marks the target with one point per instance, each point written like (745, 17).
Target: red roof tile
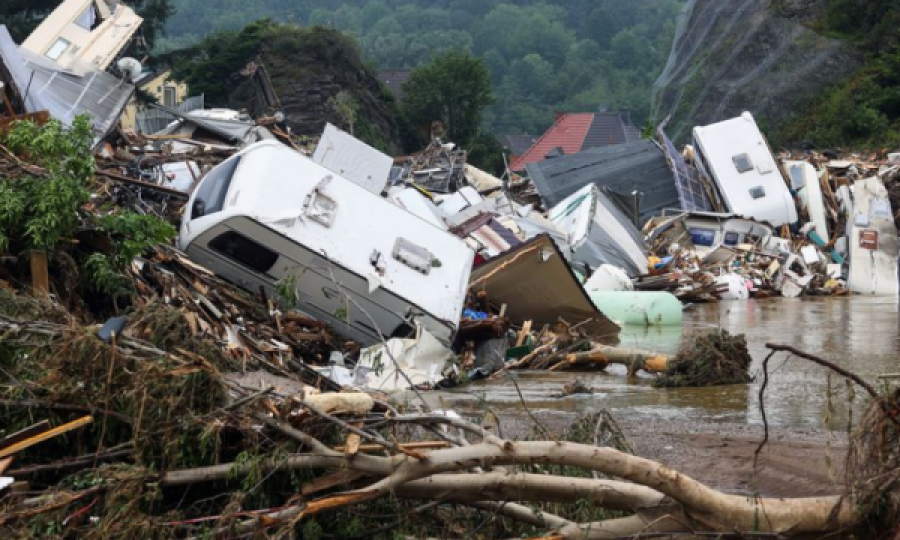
(567, 133)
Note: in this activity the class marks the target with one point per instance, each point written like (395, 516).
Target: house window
(170, 96)
(88, 19)
(743, 163)
(58, 48)
(245, 251)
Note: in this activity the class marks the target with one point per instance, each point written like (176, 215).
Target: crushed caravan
(269, 216)
(598, 232)
(806, 183)
(735, 154)
(705, 232)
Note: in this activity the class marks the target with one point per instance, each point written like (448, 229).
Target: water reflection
(859, 333)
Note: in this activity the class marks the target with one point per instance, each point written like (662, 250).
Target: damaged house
(61, 68)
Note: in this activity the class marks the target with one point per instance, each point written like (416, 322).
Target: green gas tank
(647, 308)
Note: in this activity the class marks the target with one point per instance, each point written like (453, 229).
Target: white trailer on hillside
(735, 154)
(269, 214)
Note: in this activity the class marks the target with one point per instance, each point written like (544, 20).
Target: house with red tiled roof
(574, 132)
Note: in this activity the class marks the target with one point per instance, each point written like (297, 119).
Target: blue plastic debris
(473, 315)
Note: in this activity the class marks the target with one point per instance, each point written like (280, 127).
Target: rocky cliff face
(760, 56)
(309, 66)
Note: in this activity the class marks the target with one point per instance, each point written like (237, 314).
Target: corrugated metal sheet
(622, 169)
(65, 95)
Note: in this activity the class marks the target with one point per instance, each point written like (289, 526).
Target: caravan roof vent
(743, 163)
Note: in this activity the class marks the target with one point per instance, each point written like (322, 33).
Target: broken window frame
(89, 18)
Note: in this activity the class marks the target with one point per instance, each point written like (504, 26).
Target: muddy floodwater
(861, 334)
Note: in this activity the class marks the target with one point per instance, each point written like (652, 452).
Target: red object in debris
(868, 239)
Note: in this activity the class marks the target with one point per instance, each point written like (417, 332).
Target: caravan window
(58, 48)
(731, 239)
(245, 251)
(210, 196)
(743, 163)
(703, 237)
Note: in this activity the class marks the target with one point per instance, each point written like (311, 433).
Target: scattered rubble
(316, 280)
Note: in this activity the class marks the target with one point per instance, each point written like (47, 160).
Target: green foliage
(346, 107)
(42, 211)
(871, 23)
(861, 112)
(223, 52)
(568, 56)
(435, 92)
(132, 235)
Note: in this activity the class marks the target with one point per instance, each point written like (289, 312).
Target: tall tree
(455, 89)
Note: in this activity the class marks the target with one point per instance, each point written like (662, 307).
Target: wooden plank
(26, 433)
(5, 463)
(523, 335)
(40, 272)
(28, 443)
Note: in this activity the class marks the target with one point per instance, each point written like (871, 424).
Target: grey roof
(618, 170)
(609, 128)
(63, 93)
(517, 144)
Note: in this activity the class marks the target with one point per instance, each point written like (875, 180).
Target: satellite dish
(130, 67)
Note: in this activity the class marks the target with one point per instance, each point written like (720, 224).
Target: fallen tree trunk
(653, 491)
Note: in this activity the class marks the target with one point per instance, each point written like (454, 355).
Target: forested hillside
(863, 110)
(572, 55)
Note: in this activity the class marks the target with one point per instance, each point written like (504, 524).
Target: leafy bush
(41, 204)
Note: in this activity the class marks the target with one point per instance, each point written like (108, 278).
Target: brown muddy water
(861, 334)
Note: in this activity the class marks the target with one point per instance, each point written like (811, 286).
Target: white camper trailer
(873, 241)
(735, 154)
(270, 214)
(805, 181)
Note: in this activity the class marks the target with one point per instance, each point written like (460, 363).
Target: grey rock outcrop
(731, 56)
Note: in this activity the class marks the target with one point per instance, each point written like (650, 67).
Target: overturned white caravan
(269, 216)
(735, 154)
